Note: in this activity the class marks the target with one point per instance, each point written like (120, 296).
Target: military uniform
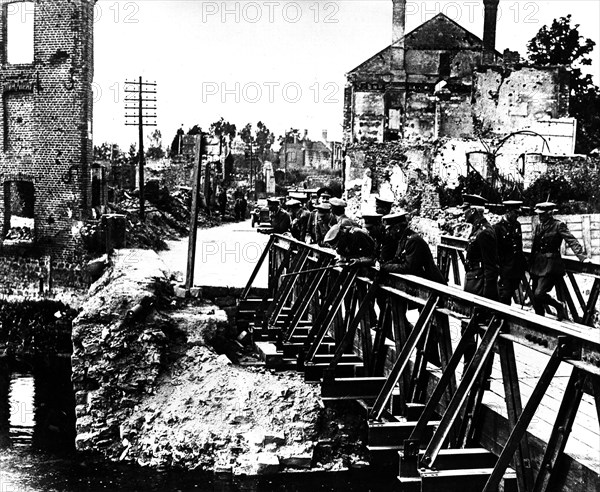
(280, 221)
(354, 243)
(511, 259)
(299, 225)
(482, 261)
(547, 267)
(413, 257)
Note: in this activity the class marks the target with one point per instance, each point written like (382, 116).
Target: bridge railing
(359, 310)
(582, 302)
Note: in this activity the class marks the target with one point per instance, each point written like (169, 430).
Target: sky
(279, 62)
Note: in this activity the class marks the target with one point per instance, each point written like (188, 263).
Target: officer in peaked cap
(320, 225)
(323, 196)
(547, 267)
(383, 206)
(299, 216)
(482, 251)
(280, 219)
(511, 258)
(412, 255)
(352, 244)
(481, 260)
(338, 210)
(374, 227)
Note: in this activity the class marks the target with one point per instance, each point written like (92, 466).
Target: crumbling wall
(510, 99)
(369, 108)
(46, 117)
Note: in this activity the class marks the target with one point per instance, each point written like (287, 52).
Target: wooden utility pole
(191, 261)
(143, 115)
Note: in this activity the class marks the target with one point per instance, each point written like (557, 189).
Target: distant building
(316, 154)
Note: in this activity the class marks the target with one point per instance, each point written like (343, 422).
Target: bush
(576, 190)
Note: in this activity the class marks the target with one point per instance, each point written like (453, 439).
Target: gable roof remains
(438, 33)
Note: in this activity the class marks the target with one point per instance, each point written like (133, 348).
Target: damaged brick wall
(46, 117)
(509, 99)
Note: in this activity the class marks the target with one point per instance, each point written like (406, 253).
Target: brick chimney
(324, 135)
(489, 30)
(398, 30)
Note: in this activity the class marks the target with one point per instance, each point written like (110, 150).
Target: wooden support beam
(330, 309)
(525, 418)
(473, 370)
(512, 396)
(393, 434)
(285, 289)
(403, 358)
(361, 388)
(561, 431)
(463, 480)
(261, 260)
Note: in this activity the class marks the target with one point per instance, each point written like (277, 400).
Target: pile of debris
(24, 234)
(151, 389)
(167, 218)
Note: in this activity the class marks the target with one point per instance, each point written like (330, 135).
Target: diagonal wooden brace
(473, 370)
(525, 419)
(404, 356)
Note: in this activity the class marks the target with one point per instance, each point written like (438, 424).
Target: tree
(224, 129)
(155, 148)
(262, 138)
(561, 44)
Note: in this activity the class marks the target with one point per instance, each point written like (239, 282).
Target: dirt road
(225, 255)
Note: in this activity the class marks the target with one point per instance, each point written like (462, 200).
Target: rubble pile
(167, 218)
(209, 414)
(19, 234)
(118, 352)
(150, 388)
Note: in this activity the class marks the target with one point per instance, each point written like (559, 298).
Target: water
(43, 459)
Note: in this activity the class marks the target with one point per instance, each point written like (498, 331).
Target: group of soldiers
(494, 261)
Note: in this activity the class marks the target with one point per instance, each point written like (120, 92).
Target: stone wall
(40, 276)
(118, 347)
(46, 119)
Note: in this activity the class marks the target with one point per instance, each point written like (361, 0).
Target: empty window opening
(19, 32)
(19, 222)
(98, 185)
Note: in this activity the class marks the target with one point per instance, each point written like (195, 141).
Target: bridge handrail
(571, 265)
(524, 327)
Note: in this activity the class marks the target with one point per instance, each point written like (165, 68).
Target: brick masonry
(46, 119)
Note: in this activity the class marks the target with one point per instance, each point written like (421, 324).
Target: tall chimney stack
(398, 30)
(489, 30)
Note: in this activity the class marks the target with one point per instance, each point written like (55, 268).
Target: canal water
(42, 459)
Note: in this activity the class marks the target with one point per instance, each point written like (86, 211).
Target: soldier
(374, 227)
(510, 251)
(323, 196)
(383, 206)
(280, 219)
(547, 267)
(321, 225)
(412, 255)
(299, 217)
(481, 266)
(352, 244)
(338, 210)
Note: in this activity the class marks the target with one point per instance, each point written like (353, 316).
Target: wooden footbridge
(461, 393)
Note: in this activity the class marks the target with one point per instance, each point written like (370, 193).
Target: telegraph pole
(143, 115)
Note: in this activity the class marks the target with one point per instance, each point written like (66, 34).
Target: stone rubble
(153, 391)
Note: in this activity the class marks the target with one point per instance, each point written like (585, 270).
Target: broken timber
(348, 328)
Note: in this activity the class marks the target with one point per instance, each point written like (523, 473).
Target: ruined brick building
(48, 184)
(440, 80)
